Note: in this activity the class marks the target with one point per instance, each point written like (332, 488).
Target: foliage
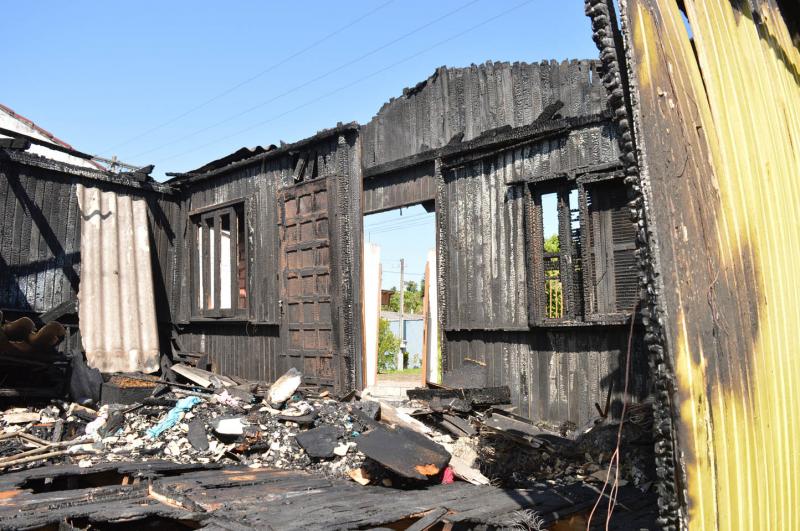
(412, 302)
(553, 292)
(388, 347)
(551, 244)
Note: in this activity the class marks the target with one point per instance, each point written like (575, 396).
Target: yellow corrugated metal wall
(719, 134)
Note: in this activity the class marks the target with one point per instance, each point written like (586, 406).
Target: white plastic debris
(229, 426)
(285, 386)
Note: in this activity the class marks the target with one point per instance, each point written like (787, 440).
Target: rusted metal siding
(116, 310)
(718, 129)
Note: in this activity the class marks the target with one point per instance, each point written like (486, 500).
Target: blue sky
(180, 83)
(120, 77)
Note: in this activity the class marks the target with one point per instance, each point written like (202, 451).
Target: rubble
(461, 435)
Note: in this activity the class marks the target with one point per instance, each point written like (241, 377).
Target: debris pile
(439, 435)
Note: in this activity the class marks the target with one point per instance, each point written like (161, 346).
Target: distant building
(17, 123)
(386, 296)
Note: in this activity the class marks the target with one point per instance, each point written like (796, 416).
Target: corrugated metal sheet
(116, 297)
(720, 138)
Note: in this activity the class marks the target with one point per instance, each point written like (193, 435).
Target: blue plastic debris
(173, 416)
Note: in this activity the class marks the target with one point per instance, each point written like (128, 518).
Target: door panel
(306, 279)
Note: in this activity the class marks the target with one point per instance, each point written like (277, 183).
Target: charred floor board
(165, 495)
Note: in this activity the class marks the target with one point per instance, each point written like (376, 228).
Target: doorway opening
(400, 308)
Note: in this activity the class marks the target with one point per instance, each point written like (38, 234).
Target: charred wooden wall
(405, 187)
(256, 346)
(40, 232)
(555, 372)
(465, 102)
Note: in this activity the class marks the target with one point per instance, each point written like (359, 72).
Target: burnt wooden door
(307, 303)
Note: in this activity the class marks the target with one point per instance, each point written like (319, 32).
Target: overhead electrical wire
(251, 78)
(397, 220)
(399, 227)
(310, 81)
(351, 84)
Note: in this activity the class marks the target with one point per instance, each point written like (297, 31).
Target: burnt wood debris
(252, 411)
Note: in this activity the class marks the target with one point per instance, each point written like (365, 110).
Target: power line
(348, 85)
(312, 80)
(397, 220)
(401, 226)
(251, 78)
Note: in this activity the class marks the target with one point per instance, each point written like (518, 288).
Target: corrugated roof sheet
(116, 299)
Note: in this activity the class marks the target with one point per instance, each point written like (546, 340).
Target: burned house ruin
(480, 146)
(668, 166)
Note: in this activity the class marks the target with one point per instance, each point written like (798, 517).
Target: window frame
(576, 312)
(591, 314)
(200, 218)
(534, 191)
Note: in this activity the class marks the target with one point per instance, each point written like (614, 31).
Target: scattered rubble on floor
(437, 437)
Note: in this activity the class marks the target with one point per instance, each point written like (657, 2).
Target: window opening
(584, 262)
(553, 288)
(220, 269)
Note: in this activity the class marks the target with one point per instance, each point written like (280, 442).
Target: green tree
(388, 347)
(551, 244)
(411, 304)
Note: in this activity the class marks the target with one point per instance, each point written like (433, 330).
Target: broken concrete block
(319, 442)
(341, 450)
(284, 387)
(405, 452)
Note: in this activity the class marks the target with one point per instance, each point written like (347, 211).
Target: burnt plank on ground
(479, 396)
(405, 452)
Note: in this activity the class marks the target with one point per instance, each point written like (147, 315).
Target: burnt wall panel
(406, 187)
(486, 285)
(556, 374)
(469, 101)
(40, 238)
(334, 158)
(236, 349)
(256, 185)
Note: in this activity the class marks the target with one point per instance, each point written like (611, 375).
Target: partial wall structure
(258, 255)
(493, 140)
(278, 230)
(711, 122)
(44, 269)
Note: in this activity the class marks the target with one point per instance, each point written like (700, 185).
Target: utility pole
(401, 354)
